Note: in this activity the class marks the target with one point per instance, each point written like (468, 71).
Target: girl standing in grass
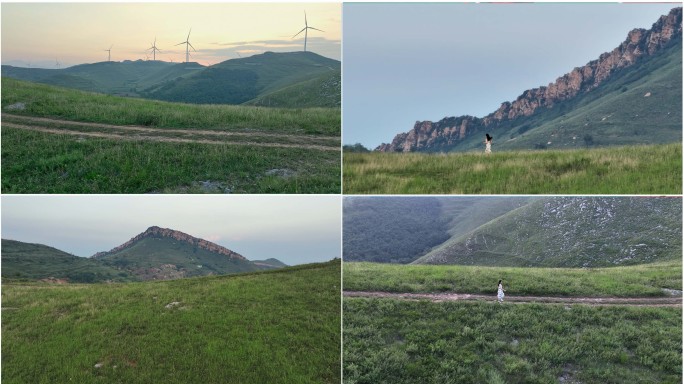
(500, 293)
(488, 144)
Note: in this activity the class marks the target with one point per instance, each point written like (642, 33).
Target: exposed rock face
(180, 236)
(427, 135)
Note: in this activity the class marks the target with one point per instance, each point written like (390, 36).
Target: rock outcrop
(155, 231)
(427, 135)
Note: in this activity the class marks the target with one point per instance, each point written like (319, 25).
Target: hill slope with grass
(571, 232)
(267, 327)
(260, 79)
(36, 261)
(292, 80)
(630, 95)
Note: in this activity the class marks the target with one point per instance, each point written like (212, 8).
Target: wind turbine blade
(305, 23)
(303, 29)
(193, 48)
(188, 38)
(316, 29)
(180, 43)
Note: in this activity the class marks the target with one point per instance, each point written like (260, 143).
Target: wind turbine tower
(154, 49)
(187, 47)
(109, 53)
(306, 30)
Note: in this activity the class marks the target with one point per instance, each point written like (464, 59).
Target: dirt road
(441, 297)
(137, 133)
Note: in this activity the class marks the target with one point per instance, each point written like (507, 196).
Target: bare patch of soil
(440, 297)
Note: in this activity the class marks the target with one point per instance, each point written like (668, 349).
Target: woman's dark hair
(489, 138)
(499, 282)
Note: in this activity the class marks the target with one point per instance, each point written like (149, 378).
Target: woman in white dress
(488, 144)
(500, 293)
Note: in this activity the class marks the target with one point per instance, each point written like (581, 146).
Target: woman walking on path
(500, 294)
(488, 144)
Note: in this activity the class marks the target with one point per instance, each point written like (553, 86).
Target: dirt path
(137, 133)
(440, 297)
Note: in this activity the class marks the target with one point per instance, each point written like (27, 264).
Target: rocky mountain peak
(435, 136)
(158, 232)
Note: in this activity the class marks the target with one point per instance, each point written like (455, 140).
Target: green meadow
(266, 327)
(420, 341)
(395, 341)
(252, 149)
(647, 169)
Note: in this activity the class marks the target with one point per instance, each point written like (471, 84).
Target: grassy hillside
(293, 79)
(250, 149)
(36, 261)
(276, 327)
(391, 341)
(238, 81)
(615, 170)
(46, 101)
(572, 232)
(322, 91)
(632, 281)
(118, 78)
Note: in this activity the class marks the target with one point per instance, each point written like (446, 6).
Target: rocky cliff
(155, 231)
(435, 136)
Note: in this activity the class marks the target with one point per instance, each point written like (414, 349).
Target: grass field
(394, 341)
(268, 327)
(614, 170)
(633, 281)
(106, 144)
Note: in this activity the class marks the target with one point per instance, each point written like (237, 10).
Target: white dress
(500, 294)
(488, 147)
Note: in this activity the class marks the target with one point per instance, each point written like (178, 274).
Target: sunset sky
(293, 229)
(39, 34)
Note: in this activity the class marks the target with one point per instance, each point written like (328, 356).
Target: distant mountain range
(156, 254)
(514, 231)
(292, 79)
(631, 95)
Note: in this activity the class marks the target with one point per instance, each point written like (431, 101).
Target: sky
(408, 62)
(42, 34)
(293, 229)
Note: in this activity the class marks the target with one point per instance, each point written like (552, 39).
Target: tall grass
(35, 162)
(393, 341)
(278, 327)
(632, 281)
(47, 101)
(615, 170)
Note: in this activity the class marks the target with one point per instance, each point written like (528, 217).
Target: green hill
(294, 80)
(36, 261)
(268, 327)
(571, 232)
(250, 79)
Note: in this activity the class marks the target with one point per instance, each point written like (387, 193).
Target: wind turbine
(306, 30)
(187, 47)
(109, 53)
(154, 49)
(57, 63)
